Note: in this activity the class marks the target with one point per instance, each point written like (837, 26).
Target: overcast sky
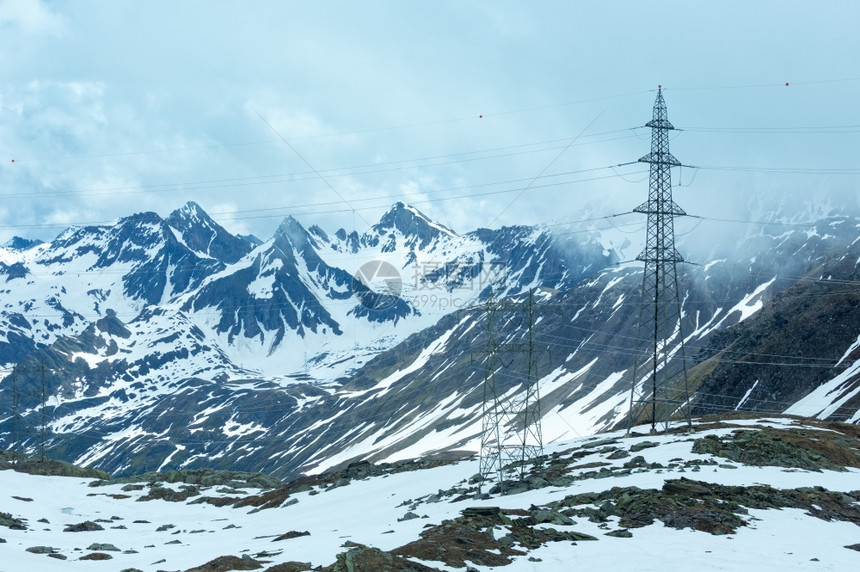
(481, 113)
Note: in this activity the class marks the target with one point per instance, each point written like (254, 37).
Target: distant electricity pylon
(660, 322)
(511, 419)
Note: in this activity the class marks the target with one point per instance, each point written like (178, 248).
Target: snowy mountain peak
(415, 229)
(410, 221)
(204, 236)
(141, 218)
(191, 210)
(19, 243)
(295, 235)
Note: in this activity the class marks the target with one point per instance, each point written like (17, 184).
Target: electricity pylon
(660, 337)
(511, 418)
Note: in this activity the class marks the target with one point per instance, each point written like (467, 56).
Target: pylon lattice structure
(511, 419)
(660, 338)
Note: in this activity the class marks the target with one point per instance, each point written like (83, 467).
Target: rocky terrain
(738, 492)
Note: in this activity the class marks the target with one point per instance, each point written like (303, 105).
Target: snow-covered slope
(56, 289)
(704, 499)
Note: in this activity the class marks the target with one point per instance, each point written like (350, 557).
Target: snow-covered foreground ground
(392, 510)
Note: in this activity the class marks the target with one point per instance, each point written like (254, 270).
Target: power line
(386, 415)
(775, 84)
(799, 130)
(782, 170)
(297, 176)
(355, 208)
(465, 118)
(544, 170)
(441, 121)
(441, 364)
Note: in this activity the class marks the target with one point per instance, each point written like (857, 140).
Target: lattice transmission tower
(660, 334)
(511, 417)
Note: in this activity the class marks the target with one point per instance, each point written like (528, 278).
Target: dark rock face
(292, 534)
(796, 341)
(163, 493)
(291, 306)
(41, 550)
(19, 342)
(16, 270)
(103, 547)
(250, 239)
(19, 243)
(291, 566)
(174, 266)
(203, 235)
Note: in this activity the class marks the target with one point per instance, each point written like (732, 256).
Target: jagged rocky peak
(318, 232)
(20, 243)
(205, 236)
(410, 221)
(417, 227)
(141, 219)
(295, 235)
(291, 240)
(191, 216)
(129, 239)
(351, 240)
(190, 211)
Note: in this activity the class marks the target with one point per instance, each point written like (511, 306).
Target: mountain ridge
(161, 356)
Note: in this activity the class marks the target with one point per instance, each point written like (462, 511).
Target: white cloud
(226, 215)
(30, 17)
(385, 103)
(67, 216)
